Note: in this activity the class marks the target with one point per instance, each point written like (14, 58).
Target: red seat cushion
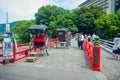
(40, 38)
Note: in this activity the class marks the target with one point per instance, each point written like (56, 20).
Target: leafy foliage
(0, 39)
(63, 21)
(86, 17)
(55, 17)
(20, 30)
(3, 27)
(118, 14)
(44, 13)
(106, 26)
(92, 19)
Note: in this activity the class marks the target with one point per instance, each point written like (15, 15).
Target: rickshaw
(61, 37)
(39, 40)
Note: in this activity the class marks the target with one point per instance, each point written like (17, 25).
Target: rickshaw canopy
(37, 29)
(62, 29)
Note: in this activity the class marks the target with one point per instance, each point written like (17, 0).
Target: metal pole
(7, 23)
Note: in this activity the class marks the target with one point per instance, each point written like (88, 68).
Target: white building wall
(108, 5)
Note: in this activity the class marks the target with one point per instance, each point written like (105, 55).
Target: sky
(25, 9)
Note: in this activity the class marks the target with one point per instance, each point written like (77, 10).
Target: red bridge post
(96, 58)
(14, 51)
(93, 54)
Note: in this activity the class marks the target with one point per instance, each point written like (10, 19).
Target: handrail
(93, 54)
(25, 44)
(23, 53)
(107, 45)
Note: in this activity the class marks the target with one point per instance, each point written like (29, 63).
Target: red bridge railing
(17, 55)
(52, 42)
(1, 55)
(93, 54)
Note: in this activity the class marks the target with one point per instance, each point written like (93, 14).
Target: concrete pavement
(62, 64)
(12, 72)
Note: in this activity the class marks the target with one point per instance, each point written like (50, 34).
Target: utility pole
(7, 23)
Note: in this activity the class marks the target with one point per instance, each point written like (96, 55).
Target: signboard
(95, 56)
(7, 47)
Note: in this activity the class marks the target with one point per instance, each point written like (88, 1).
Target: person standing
(78, 40)
(89, 38)
(68, 39)
(76, 36)
(116, 47)
(93, 37)
(81, 41)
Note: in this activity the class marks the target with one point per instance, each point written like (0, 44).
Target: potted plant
(96, 53)
(97, 41)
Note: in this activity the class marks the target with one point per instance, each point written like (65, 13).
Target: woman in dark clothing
(78, 40)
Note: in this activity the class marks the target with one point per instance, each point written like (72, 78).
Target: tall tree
(107, 26)
(118, 14)
(55, 17)
(63, 21)
(44, 13)
(20, 30)
(0, 38)
(86, 17)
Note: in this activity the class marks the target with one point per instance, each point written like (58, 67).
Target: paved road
(35, 73)
(109, 66)
(62, 64)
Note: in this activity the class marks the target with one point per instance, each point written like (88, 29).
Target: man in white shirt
(93, 37)
(81, 40)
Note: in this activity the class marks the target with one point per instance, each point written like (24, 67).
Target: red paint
(1, 56)
(0, 47)
(40, 38)
(52, 42)
(24, 52)
(19, 45)
(90, 54)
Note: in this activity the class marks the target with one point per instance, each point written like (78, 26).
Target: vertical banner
(7, 48)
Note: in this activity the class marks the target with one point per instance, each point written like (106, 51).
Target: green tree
(20, 30)
(107, 26)
(85, 17)
(118, 14)
(44, 13)
(0, 39)
(63, 21)
(55, 17)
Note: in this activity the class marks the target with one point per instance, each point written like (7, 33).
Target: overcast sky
(25, 9)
